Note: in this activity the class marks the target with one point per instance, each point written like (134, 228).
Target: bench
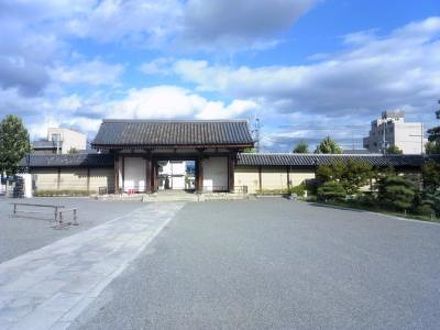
(58, 212)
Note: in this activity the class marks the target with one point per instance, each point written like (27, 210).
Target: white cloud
(208, 25)
(161, 65)
(239, 24)
(379, 72)
(143, 21)
(169, 102)
(93, 72)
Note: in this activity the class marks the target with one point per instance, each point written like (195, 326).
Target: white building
(392, 130)
(172, 175)
(60, 141)
(67, 139)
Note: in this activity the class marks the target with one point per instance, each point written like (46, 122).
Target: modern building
(60, 141)
(392, 130)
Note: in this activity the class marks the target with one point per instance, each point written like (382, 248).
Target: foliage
(64, 192)
(433, 199)
(431, 176)
(301, 148)
(73, 150)
(352, 175)
(394, 150)
(328, 146)
(396, 192)
(298, 190)
(433, 146)
(331, 191)
(273, 192)
(14, 144)
(250, 150)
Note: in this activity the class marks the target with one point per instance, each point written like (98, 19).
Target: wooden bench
(58, 212)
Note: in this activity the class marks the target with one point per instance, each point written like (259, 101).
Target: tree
(328, 146)
(394, 150)
(352, 175)
(433, 145)
(14, 144)
(301, 148)
(72, 150)
(250, 151)
(396, 192)
(431, 176)
(331, 191)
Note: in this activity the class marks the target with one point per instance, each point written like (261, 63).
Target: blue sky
(306, 68)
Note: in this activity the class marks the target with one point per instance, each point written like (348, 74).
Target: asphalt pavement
(277, 264)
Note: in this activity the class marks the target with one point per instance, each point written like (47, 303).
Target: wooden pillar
(231, 168)
(260, 179)
(58, 178)
(199, 175)
(122, 173)
(288, 177)
(149, 174)
(88, 180)
(116, 172)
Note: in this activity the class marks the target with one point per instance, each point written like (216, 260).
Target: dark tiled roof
(311, 160)
(73, 160)
(356, 152)
(43, 145)
(173, 133)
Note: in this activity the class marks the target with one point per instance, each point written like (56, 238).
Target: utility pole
(256, 133)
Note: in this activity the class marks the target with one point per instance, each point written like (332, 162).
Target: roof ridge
(112, 120)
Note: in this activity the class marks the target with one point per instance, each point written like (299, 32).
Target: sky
(305, 68)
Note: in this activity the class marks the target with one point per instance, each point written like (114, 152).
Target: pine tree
(328, 146)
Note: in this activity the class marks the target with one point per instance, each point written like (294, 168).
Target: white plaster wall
(178, 182)
(134, 173)
(45, 179)
(247, 176)
(101, 177)
(274, 178)
(299, 176)
(73, 179)
(215, 174)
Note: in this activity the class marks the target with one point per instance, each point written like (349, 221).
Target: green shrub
(331, 191)
(273, 192)
(298, 190)
(62, 193)
(433, 200)
(367, 199)
(396, 193)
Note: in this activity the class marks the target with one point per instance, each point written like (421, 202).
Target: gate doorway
(175, 175)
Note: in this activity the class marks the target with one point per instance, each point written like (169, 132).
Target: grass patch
(354, 204)
(63, 193)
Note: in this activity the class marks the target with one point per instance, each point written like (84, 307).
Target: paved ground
(21, 235)
(50, 287)
(281, 265)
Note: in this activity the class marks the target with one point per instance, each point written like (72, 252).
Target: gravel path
(277, 264)
(20, 235)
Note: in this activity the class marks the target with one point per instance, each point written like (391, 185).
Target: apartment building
(392, 130)
(60, 141)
